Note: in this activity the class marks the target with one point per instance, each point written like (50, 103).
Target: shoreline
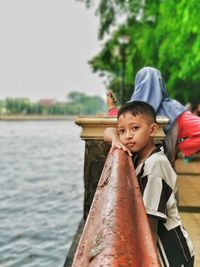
(22, 117)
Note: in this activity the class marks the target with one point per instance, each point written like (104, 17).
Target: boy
(157, 179)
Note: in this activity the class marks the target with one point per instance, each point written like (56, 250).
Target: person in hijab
(183, 130)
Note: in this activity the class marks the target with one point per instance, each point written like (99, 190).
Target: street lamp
(123, 41)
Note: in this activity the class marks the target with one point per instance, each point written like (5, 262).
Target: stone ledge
(93, 127)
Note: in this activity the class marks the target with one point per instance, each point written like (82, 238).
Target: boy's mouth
(130, 144)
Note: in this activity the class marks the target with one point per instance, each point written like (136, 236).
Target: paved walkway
(189, 201)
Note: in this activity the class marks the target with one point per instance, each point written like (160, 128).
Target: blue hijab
(150, 88)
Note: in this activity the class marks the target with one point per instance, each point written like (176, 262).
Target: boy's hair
(138, 108)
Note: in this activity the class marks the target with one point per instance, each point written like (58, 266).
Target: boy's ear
(153, 129)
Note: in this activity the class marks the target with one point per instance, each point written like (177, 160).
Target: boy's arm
(153, 222)
(111, 136)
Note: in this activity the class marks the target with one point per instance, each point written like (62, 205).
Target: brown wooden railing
(116, 231)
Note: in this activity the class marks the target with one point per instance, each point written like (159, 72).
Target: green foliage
(78, 104)
(17, 105)
(84, 104)
(163, 33)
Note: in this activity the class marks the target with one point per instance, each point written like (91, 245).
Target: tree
(164, 34)
(83, 104)
(17, 105)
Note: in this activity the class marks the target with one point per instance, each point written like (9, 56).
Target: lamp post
(123, 41)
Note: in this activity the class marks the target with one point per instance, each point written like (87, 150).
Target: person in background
(196, 110)
(137, 127)
(111, 104)
(188, 106)
(183, 130)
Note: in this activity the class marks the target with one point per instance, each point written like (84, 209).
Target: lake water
(41, 191)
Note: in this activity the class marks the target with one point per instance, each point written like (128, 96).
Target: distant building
(47, 102)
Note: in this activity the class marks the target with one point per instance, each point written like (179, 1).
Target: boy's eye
(120, 131)
(134, 128)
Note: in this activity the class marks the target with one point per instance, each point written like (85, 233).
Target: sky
(44, 49)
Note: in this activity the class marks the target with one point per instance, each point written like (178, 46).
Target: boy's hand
(116, 143)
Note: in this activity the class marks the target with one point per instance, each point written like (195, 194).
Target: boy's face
(136, 132)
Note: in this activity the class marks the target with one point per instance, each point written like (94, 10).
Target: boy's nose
(128, 135)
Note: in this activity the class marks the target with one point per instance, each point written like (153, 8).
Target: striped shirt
(157, 181)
